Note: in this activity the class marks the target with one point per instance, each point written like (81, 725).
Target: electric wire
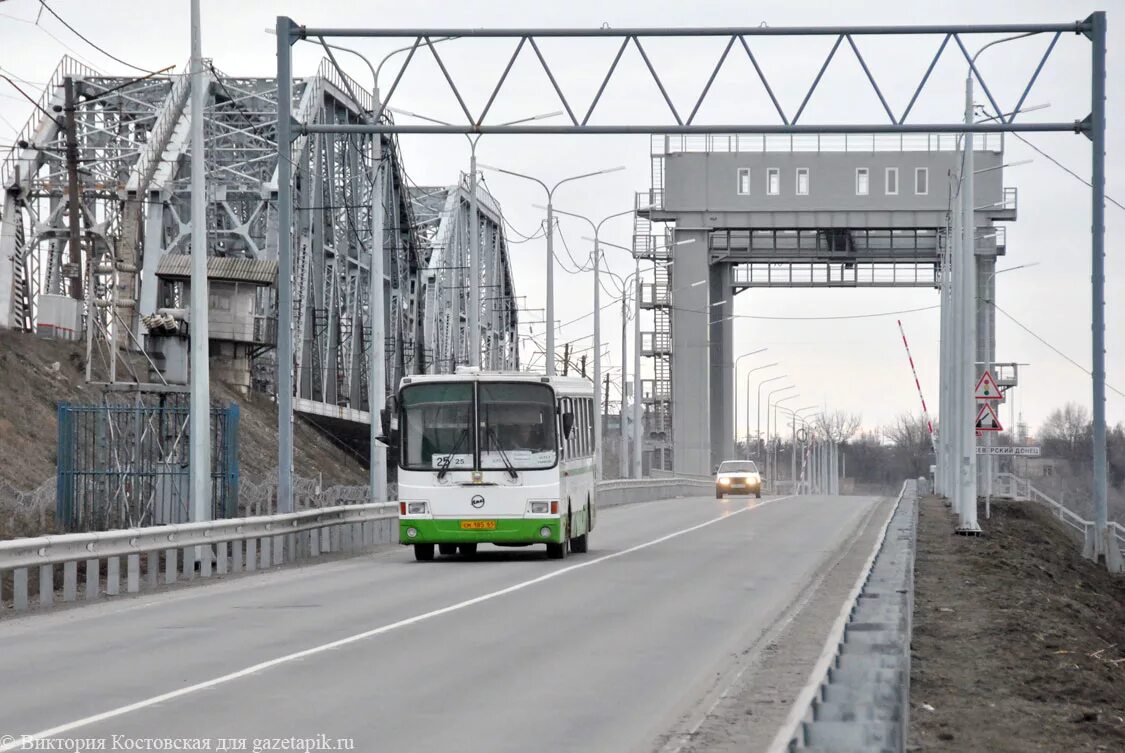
(1058, 352)
(86, 39)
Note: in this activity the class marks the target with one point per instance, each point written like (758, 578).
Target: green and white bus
(503, 458)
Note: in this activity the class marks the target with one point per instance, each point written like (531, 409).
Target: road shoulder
(752, 699)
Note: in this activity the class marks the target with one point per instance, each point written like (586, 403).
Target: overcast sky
(854, 364)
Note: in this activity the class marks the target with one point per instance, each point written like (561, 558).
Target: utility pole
(73, 199)
(623, 457)
(200, 413)
(605, 408)
(638, 441)
(566, 360)
(966, 376)
(583, 365)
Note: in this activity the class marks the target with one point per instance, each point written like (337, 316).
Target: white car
(738, 477)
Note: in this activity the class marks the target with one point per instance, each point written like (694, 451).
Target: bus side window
(587, 430)
(579, 429)
(594, 417)
(563, 442)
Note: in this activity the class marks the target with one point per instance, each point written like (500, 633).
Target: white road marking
(171, 695)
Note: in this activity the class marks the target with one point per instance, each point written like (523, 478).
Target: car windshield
(437, 426)
(517, 425)
(738, 466)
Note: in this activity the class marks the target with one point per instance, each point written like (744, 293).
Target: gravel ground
(1019, 643)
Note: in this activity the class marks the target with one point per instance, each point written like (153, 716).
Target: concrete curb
(858, 698)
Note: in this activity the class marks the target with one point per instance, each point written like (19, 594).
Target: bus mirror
(567, 424)
(388, 431)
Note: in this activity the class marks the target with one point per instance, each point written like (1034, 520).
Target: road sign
(986, 388)
(987, 420)
(1024, 451)
(802, 435)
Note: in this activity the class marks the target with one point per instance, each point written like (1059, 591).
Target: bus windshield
(517, 425)
(437, 426)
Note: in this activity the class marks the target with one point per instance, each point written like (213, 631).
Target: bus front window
(437, 426)
(517, 426)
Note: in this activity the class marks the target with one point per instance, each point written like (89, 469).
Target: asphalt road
(608, 651)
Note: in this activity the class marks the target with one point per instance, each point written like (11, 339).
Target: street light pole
(758, 414)
(597, 227)
(747, 401)
(771, 474)
(551, 247)
(637, 416)
(736, 360)
(474, 258)
(199, 457)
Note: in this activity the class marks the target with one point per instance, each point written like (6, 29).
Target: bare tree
(909, 432)
(839, 426)
(1067, 426)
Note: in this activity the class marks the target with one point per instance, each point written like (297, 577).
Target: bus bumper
(507, 531)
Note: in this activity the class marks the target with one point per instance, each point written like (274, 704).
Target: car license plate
(478, 525)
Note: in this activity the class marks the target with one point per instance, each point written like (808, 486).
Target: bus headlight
(411, 532)
(545, 532)
(415, 508)
(539, 508)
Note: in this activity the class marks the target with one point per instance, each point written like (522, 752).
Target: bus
(504, 458)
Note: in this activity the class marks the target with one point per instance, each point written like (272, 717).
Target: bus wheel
(446, 550)
(580, 544)
(468, 550)
(424, 552)
(560, 550)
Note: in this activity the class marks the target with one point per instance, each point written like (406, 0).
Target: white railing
(816, 142)
(1013, 487)
(252, 542)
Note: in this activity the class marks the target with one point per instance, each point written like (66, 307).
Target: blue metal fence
(121, 466)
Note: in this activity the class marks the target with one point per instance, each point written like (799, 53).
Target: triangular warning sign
(987, 420)
(986, 388)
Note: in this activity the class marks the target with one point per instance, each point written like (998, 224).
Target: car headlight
(416, 508)
(539, 508)
(724, 481)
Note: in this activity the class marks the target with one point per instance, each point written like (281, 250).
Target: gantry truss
(131, 150)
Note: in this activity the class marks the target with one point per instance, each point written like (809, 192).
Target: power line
(64, 45)
(1066, 169)
(1058, 352)
(86, 39)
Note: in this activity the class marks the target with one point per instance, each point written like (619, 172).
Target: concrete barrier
(627, 492)
(858, 696)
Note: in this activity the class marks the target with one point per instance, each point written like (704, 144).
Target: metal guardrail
(226, 546)
(858, 695)
(219, 546)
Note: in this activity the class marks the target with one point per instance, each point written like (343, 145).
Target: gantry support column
(691, 430)
(721, 325)
(986, 341)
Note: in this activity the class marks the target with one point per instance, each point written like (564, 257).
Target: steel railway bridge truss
(131, 148)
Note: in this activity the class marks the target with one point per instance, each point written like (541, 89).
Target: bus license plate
(478, 525)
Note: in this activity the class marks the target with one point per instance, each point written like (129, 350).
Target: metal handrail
(816, 142)
(68, 66)
(73, 547)
(1022, 489)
